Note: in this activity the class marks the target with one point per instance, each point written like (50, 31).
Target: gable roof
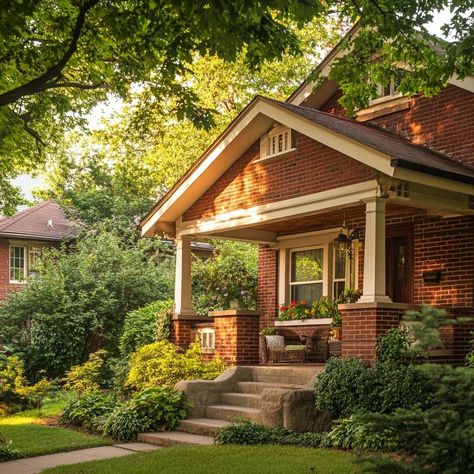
(364, 142)
(403, 153)
(45, 221)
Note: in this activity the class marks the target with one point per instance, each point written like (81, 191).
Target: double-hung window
(306, 274)
(18, 264)
(339, 276)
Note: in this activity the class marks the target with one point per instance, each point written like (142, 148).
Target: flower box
(305, 322)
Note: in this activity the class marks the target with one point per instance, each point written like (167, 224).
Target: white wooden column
(183, 307)
(374, 252)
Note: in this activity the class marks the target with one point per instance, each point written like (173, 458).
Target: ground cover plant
(228, 459)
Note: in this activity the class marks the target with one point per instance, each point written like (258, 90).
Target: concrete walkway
(39, 463)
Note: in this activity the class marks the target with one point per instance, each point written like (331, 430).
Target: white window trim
(313, 240)
(25, 263)
(265, 153)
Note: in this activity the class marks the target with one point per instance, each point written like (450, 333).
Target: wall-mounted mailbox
(432, 277)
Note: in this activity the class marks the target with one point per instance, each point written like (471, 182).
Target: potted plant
(337, 326)
(272, 339)
(296, 310)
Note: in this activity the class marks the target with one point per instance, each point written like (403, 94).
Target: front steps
(240, 393)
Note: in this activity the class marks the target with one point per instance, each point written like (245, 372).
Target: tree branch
(26, 118)
(47, 79)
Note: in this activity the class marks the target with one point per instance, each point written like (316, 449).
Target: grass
(224, 459)
(32, 436)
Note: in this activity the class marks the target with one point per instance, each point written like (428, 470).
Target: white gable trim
(256, 120)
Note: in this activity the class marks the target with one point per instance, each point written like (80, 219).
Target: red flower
(292, 304)
(283, 308)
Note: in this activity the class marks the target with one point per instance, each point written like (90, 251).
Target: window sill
(17, 282)
(383, 106)
(268, 159)
(305, 322)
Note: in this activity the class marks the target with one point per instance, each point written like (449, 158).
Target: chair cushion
(295, 347)
(275, 342)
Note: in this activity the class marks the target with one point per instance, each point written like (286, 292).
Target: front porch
(404, 255)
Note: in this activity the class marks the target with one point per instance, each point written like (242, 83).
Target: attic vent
(50, 223)
(402, 190)
(276, 142)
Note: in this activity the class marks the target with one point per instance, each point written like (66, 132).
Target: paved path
(39, 463)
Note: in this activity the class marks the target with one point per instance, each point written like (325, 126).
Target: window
(34, 254)
(276, 142)
(340, 265)
(17, 264)
(390, 89)
(206, 337)
(306, 274)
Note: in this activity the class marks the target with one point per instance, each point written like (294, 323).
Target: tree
(78, 301)
(61, 57)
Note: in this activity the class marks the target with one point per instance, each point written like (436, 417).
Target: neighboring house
(22, 238)
(397, 181)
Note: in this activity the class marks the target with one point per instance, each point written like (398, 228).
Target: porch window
(306, 274)
(17, 264)
(340, 266)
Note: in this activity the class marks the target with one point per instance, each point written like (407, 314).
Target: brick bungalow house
(292, 176)
(22, 238)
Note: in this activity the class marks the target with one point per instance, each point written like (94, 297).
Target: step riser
(258, 388)
(163, 440)
(231, 415)
(284, 375)
(241, 400)
(199, 429)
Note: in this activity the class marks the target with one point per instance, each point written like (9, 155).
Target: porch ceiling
(329, 220)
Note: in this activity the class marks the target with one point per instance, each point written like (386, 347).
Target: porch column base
(363, 322)
(374, 299)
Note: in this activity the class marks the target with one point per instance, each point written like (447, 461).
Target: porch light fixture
(344, 239)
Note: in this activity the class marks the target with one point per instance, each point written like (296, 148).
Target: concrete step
(247, 400)
(202, 426)
(232, 412)
(259, 387)
(173, 438)
(300, 375)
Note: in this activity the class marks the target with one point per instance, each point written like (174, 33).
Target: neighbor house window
(207, 338)
(17, 264)
(34, 254)
(306, 274)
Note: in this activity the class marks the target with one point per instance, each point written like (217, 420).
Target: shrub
(470, 356)
(78, 302)
(348, 385)
(439, 439)
(161, 364)
(146, 325)
(340, 388)
(86, 377)
(15, 394)
(392, 345)
(7, 453)
(247, 433)
(230, 274)
(153, 409)
(86, 410)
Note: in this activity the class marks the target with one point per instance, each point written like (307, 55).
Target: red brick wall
(267, 290)
(237, 339)
(5, 286)
(312, 168)
(444, 123)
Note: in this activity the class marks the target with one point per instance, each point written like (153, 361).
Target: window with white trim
(389, 89)
(17, 264)
(206, 338)
(34, 253)
(339, 272)
(306, 274)
(276, 142)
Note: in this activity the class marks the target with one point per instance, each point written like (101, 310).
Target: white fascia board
(316, 203)
(252, 125)
(433, 181)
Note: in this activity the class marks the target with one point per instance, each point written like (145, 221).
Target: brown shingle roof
(45, 221)
(404, 154)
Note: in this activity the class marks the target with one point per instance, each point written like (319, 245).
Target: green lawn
(225, 460)
(31, 438)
